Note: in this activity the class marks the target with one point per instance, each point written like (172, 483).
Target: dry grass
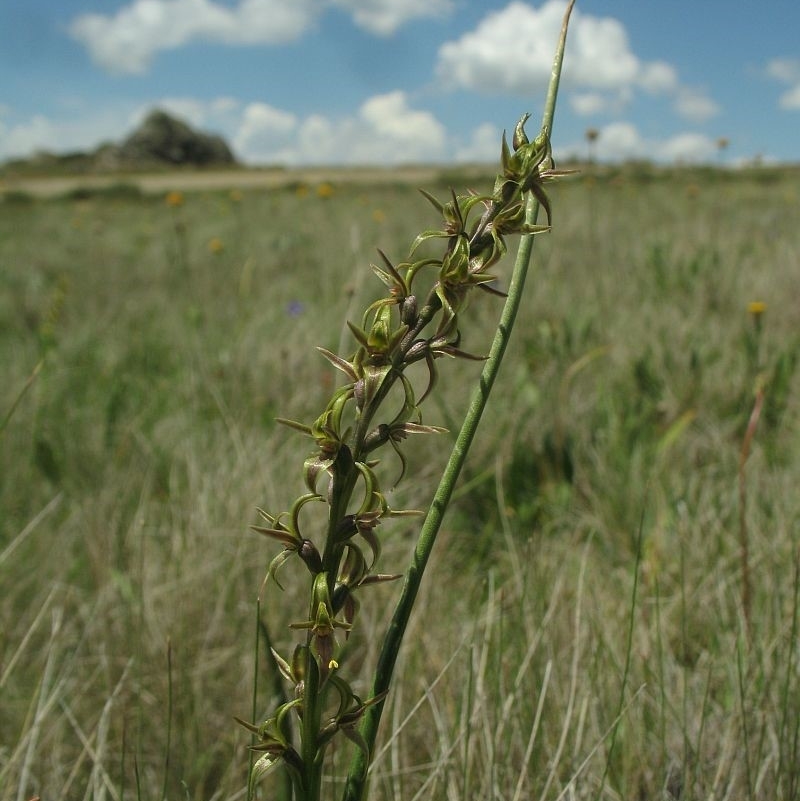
(132, 466)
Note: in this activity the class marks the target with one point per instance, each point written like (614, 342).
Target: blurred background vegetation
(583, 631)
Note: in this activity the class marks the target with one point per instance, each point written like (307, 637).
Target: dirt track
(155, 183)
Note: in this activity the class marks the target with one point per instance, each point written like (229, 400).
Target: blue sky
(391, 81)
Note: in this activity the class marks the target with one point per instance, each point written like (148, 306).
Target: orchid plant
(418, 320)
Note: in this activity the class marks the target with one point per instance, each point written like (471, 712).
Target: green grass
(132, 466)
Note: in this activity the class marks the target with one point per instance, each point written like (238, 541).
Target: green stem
(312, 761)
(356, 779)
(345, 480)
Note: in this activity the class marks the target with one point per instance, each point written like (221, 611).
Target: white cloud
(224, 105)
(619, 141)
(602, 57)
(416, 133)
(483, 145)
(127, 41)
(385, 130)
(384, 17)
(790, 99)
(658, 77)
(261, 117)
(588, 104)
(787, 70)
(23, 137)
(27, 137)
(622, 141)
(688, 147)
(264, 133)
(511, 51)
(695, 105)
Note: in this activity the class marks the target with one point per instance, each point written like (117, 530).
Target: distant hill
(161, 141)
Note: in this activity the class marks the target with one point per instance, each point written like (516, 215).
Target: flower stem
(312, 759)
(356, 779)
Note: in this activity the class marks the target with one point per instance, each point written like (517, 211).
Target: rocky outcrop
(165, 140)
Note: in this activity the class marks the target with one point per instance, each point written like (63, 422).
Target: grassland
(583, 631)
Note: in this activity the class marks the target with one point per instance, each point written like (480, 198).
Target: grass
(132, 464)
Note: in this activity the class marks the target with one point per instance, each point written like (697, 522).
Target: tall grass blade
(740, 675)
(168, 744)
(628, 654)
(744, 539)
(46, 697)
(20, 395)
(51, 506)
